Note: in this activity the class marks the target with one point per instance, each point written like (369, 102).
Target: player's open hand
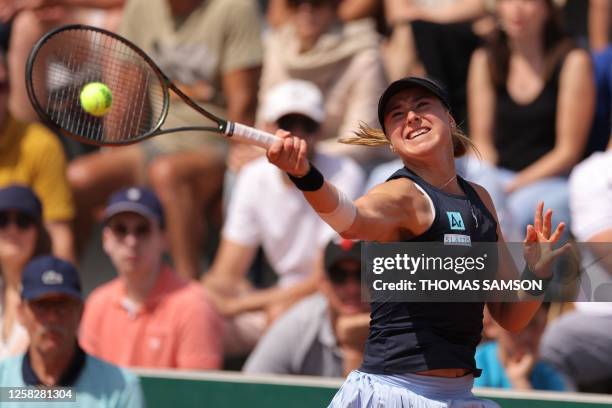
(289, 154)
(539, 242)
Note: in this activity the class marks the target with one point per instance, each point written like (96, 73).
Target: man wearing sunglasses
(266, 211)
(50, 310)
(148, 316)
(32, 155)
(325, 333)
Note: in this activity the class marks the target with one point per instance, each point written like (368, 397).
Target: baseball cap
(293, 97)
(428, 84)
(137, 200)
(47, 274)
(340, 250)
(20, 198)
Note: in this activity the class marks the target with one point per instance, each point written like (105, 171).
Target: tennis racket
(66, 59)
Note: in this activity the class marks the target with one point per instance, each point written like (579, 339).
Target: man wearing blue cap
(148, 316)
(50, 310)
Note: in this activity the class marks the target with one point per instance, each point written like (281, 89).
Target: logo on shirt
(457, 239)
(455, 220)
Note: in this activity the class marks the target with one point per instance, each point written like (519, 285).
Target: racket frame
(223, 126)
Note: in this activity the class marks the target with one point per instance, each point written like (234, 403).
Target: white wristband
(343, 215)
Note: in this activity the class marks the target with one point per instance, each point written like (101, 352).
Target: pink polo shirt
(176, 328)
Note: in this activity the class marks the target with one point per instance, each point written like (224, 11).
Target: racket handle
(250, 135)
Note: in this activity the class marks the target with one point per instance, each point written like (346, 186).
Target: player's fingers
(565, 249)
(537, 219)
(282, 133)
(274, 150)
(302, 152)
(531, 234)
(558, 231)
(547, 225)
(295, 150)
(287, 149)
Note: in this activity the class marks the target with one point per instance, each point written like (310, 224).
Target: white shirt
(266, 211)
(591, 205)
(591, 195)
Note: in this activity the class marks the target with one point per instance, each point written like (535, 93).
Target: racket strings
(73, 58)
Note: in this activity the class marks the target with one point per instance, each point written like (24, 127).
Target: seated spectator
(325, 333)
(148, 316)
(50, 310)
(278, 11)
(512, 360)
(343, 60)
(212, 51)
(578, 342)
(436, 38)
(22, 236)
(265, 210)
(31, 155)
(531, 101)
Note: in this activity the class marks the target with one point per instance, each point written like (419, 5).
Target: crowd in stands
(218, 257)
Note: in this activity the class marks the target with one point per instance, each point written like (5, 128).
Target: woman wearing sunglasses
(419, 354)
(22, 236)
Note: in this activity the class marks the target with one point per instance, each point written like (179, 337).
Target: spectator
(212, 50)
(31, 155)
(343, 60)
(50, 310)
(22, 236)
(266, 210)
(279, 11)
(436, 38)
(325, 333)
(531, 102)
(147, 316)
(578, 342)
(512, 360)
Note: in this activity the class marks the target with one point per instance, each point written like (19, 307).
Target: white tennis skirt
(362, 390)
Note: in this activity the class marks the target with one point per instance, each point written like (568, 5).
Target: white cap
(293, 96)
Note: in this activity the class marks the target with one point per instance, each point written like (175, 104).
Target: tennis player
(419, 354)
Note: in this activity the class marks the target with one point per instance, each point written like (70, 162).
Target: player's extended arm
(379, 215)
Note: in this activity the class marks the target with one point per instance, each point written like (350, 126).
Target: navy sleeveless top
(408, 337)
(524, 133)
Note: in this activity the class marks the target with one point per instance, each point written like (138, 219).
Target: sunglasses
(121, 230)
(294, 122)
(338, 275)
(21, 220)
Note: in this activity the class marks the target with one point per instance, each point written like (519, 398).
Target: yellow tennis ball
(96, 98)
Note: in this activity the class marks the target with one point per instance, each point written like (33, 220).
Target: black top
(409, 337)
(524, 133)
